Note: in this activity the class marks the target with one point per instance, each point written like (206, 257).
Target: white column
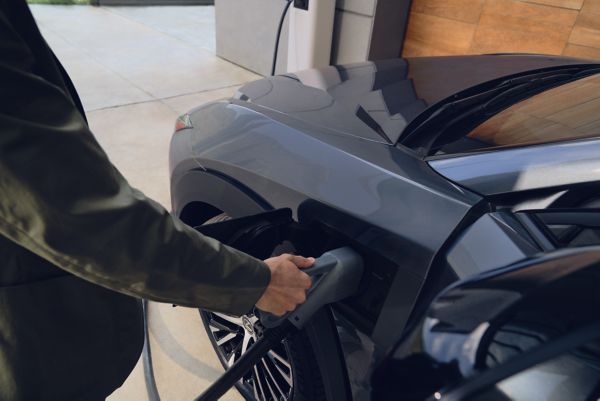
(310, 35)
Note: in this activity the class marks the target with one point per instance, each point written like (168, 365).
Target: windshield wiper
(452, 118)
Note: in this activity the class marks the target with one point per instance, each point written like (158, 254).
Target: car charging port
(271, 233)
(275, 232)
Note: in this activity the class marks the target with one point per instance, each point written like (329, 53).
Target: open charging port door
(256, 235)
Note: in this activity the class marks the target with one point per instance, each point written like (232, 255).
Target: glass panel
(574, 376)
(570, 111)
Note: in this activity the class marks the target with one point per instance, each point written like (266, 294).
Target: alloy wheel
(272, 378)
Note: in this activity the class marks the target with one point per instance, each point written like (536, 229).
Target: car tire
(263, 383)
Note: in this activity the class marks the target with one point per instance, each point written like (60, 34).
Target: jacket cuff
(243, 304)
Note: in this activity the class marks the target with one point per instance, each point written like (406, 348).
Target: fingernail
(312, 259)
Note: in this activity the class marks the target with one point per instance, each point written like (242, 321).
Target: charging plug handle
(336, 275)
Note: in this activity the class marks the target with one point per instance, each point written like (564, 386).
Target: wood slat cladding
(592, 6)
(586, 31)
(450, 27)
(572, 4)
(452, 36)
(460, 10)
(514, 26)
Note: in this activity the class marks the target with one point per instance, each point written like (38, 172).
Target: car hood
(377, 100)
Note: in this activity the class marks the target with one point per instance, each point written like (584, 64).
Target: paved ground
(137, 69)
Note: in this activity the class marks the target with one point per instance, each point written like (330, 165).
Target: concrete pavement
(137, 69)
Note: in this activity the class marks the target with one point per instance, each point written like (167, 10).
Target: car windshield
(570, 111)
(515, 111)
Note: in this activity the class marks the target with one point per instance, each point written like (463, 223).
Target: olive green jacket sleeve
(61, 198)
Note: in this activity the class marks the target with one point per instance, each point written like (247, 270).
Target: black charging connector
(301, 4)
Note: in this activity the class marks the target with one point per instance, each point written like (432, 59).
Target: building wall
(446, 27)
(246, 32)
(352, 30)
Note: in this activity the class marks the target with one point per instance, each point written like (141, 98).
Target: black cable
(282, 19)
(151, 388)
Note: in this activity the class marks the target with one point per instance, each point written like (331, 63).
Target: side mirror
(566, 368)
(483, 330)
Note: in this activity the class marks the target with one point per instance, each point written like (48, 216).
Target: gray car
(434, 169)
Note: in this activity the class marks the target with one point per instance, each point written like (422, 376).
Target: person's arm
(61, 198)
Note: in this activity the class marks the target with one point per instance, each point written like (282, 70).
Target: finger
(305, 281)
(299, 297)
(278, 310)
(301, 261)
(290, 307)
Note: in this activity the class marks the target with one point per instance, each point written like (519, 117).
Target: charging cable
(281, 20)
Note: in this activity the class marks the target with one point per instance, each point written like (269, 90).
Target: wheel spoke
(266, 367)
(231, 359)
(246, 342)
(280, 359)
(231, 319)
(254, 388)
(233, 354)
(216, 326)
(270, 388)
(262, 391)
(226, 339)
(286, 376)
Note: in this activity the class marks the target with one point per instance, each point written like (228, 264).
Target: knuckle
(301, 297)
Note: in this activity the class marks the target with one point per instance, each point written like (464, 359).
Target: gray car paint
(527, 168)
(494, 240)
(381, 185)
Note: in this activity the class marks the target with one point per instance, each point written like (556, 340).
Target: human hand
(288, 285)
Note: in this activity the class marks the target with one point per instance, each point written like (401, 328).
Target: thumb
(301, 261)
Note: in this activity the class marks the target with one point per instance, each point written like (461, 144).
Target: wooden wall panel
(572, 4)
(460, 10)
(581, 52)
(516, 26)
(435, 36)
(447, 27)
(586, 31)
(592, 6)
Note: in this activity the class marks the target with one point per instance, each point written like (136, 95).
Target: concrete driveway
(137, 69)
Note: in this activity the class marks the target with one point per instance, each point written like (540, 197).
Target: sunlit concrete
(137, 69)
